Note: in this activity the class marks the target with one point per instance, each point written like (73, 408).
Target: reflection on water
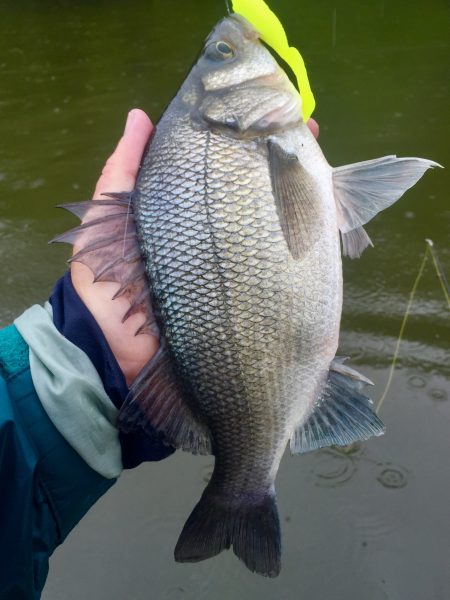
(379, 351)
(366, 522)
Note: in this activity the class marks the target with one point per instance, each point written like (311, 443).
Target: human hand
(314, 127)
(119, 175)
(132, 351)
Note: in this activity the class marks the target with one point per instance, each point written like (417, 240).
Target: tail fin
(252, 529)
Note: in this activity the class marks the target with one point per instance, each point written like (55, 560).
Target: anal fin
(342, 415)
(155, 399)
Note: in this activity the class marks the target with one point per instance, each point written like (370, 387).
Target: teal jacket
(45, 485)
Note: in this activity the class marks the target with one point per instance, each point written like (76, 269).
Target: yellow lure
(272, 33)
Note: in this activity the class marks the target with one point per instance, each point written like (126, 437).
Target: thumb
(121, 168)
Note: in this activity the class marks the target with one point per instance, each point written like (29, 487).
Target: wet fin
(343, 414)
(354, 242)
(155, 398)
(364, 189)
(295, 198)
(252, 529)
(107, 243)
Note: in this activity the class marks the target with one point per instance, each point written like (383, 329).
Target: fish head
(237, 86)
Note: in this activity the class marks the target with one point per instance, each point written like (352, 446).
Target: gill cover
(272, 33)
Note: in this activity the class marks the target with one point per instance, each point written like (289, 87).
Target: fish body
(237, 216)
(252, 330)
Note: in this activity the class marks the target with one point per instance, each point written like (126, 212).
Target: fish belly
(251, 331)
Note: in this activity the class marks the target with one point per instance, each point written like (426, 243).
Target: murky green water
(372, 524)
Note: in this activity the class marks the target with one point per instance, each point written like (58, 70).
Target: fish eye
(224, 49)
(219, 51)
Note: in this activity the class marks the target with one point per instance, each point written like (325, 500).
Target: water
(372, 523)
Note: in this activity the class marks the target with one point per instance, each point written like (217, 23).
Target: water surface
(369, 524)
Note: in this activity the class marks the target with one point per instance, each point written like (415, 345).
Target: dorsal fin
(106, 242)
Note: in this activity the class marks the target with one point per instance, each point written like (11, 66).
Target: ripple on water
(372, 527)
(417, 382)
(392, 476)
(438, 394)
(332, 468)
(201, 581)
(187, 583)
(176, 593)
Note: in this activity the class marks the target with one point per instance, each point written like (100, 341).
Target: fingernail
(130, 119)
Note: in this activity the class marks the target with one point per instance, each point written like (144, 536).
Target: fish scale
(236, 218)
(227, 293)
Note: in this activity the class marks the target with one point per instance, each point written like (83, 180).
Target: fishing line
(440, 271)
(429, 250)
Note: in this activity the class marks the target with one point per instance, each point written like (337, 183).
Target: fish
(230, 244)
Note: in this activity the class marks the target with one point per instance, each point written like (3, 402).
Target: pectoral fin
(343, 414)
(155, 398)
(295, 195)
(364, 189)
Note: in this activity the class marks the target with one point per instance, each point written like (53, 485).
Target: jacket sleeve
(74, 321)
(46, 487)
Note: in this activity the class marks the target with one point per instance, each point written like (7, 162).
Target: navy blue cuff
(75, 322)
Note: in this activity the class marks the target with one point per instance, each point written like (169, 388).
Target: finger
(314, 127)
(121, 168)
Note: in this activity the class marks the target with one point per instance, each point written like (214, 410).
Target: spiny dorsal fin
(295, 195)
(106, 242)
(342, 415)
(155, 398)
(365, 188)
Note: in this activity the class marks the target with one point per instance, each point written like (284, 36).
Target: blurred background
(371, 523)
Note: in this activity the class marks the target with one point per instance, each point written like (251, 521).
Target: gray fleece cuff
(71, 392)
